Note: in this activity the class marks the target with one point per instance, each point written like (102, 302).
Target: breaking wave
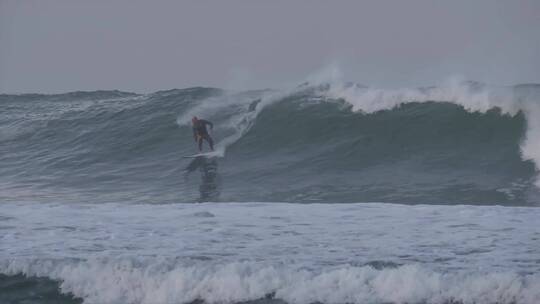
(331, 142)
(150, 281)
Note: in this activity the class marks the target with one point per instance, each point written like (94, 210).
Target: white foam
(153, 281)
(473, 98)
(118, 253)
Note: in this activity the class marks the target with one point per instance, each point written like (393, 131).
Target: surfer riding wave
(200, 132)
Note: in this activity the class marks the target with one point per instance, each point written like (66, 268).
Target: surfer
(200, 132)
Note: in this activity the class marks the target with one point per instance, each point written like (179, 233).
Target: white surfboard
(206, 155)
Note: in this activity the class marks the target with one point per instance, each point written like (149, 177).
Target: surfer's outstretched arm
(209, 123)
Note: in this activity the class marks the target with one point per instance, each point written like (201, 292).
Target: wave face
(461, 144)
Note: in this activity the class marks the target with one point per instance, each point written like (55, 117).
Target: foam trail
(244, 110)
(153, 282)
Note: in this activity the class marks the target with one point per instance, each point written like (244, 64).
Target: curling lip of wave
(472, 96)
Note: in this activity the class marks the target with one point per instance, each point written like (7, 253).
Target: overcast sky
(143, 46)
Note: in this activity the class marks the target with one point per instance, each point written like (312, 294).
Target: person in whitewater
(200, 132)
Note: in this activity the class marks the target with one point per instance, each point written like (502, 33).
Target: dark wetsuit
(200, 133)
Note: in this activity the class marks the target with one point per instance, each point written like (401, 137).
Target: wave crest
(153, 282)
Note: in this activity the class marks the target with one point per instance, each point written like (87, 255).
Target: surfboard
(207, 155)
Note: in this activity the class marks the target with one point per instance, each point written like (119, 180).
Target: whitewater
(324, 192)
(234, 252)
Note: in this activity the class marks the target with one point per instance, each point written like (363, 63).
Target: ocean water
(321, 193)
